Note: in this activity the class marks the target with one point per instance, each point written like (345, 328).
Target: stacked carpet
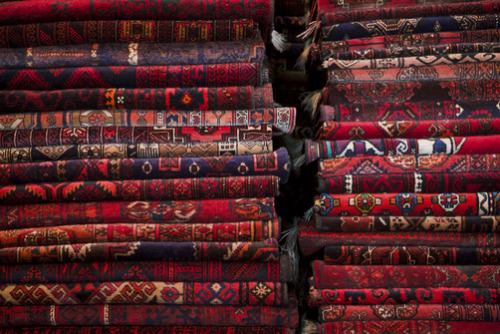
(137, 170)
(405, 232)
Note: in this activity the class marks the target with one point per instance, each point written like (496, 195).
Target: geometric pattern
(157, 315)
(318, 297)
(443, 312)
(335, 277)
(124, 31)
(268, 164)
(137, 170)
(281, 118)
(265, 250)
(405, 216)
(189, 211)
(140, 190)
(224, 293)
(406, 204)
(260, 11)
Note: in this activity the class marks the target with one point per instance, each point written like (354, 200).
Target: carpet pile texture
(402, 235)
(137, 169)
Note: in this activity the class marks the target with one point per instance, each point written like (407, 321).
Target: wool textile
(412, 91)
(240, 231)
(438, 72)
(331, 16)
(166, 315)
(399, 327)
(327, 276)
(414, 25)
(173, 293)
(158, 267)
(388, 46)
(142, 150)
(411, 182)
(465, 224)
(211, 75)
(420, 129)
(312, 242)
(266, 250)
(402, 233)
(141, 190)
(50, 10)
(319, 297)
(99, 233)
(201, 98)
(131, 135)
(411, 255)
(327, 149)
(366, 5)
(105, 251)
(133, 55)
(432, 163)
(409, 312)
(105, 264)
(282, 119)
(126, 31)
(138, 171)
(409, 111)
(271, 164)
(189, 211)
(425, 204)
(449, 58)
(466, 52)
(150, 330)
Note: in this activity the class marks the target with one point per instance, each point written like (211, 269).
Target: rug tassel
(299, 162)
(312, 30)
(295, 149)
(294, 145)
(301, 62)
(308, 214)
(309, 327)
(310, 102)
(278, 41)
(306, 17)
(326, 63)
(289, 240)
(290, 236)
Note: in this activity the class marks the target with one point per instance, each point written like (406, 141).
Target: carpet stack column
(137, 170)
(404, 235)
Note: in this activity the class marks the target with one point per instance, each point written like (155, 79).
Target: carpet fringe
(312, 30)
(294, 146)
(278, 41)
(299, 162)
(295, 149)
(308, 214)
(311, 101)
(301, 61)
(309, 327)
(306, 17)
(289, 241)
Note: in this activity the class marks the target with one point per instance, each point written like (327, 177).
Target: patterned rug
(138, 172)
(402, 233)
